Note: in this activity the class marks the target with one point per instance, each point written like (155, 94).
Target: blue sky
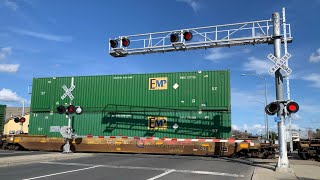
(42, 38)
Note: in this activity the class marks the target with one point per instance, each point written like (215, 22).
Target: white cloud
(251, 99)
(195, 5)
(254, 129)
(309, 108)
(4, 52)
(314, 78)
(11, 68)
(295, 116)
(315, 57)
(50, 37)
(235, 127)
(10, 4)
(246, 50)
(216, 54)
(9, 95)
(259, 66)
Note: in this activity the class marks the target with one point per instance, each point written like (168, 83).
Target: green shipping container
(191, 124)
(202, 90)
(2, 117)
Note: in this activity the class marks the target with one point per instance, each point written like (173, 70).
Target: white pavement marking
(151, 168)
(209, 173)
(65, 172)
(163, 174)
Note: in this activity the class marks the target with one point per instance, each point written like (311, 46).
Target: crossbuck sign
(280, 63)
(68, 92)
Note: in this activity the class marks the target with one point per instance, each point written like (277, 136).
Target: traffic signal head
(174, 37)
(16, 119)
(125, 42)
(292, 107)
(113, 43)
(71, 109)
(22, 119)
(187, 36)
(272, 108)
(61, 109)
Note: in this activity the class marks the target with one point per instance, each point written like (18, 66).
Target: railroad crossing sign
(68, 92)
(280, 63)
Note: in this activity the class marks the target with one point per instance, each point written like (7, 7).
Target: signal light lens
(187, 36)
(174, 37)
(71, 109)
(79, 110)
(113, 43)
(125, 42)
(22, 119)
(272, 108)
(61, 109)
(292, 107)
(16, 120)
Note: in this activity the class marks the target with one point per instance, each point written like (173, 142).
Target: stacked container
(2, 117)
(179, 105)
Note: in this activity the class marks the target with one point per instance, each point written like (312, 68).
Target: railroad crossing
(226, 35)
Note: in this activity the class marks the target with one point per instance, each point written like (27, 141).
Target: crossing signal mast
(69, 110)
(226, 35)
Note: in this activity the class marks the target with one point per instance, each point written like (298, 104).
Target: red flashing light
(187, 36)
(125, 42)
(292, 107)
(22, 119)
(71, 109)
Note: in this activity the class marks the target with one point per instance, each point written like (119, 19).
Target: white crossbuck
(68, 92)
(280, 63)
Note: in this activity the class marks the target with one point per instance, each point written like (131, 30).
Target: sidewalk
(302, 170)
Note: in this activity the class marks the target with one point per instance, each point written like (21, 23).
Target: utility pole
(287, 77)
(283, 158)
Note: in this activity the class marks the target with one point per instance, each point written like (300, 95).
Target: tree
(273, 135)
(240, 134)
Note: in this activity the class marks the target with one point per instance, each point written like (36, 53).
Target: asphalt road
(132, 167)
(9, 153)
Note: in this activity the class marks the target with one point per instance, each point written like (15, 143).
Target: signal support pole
(22, 114)
(66, 147)
(283, 162)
